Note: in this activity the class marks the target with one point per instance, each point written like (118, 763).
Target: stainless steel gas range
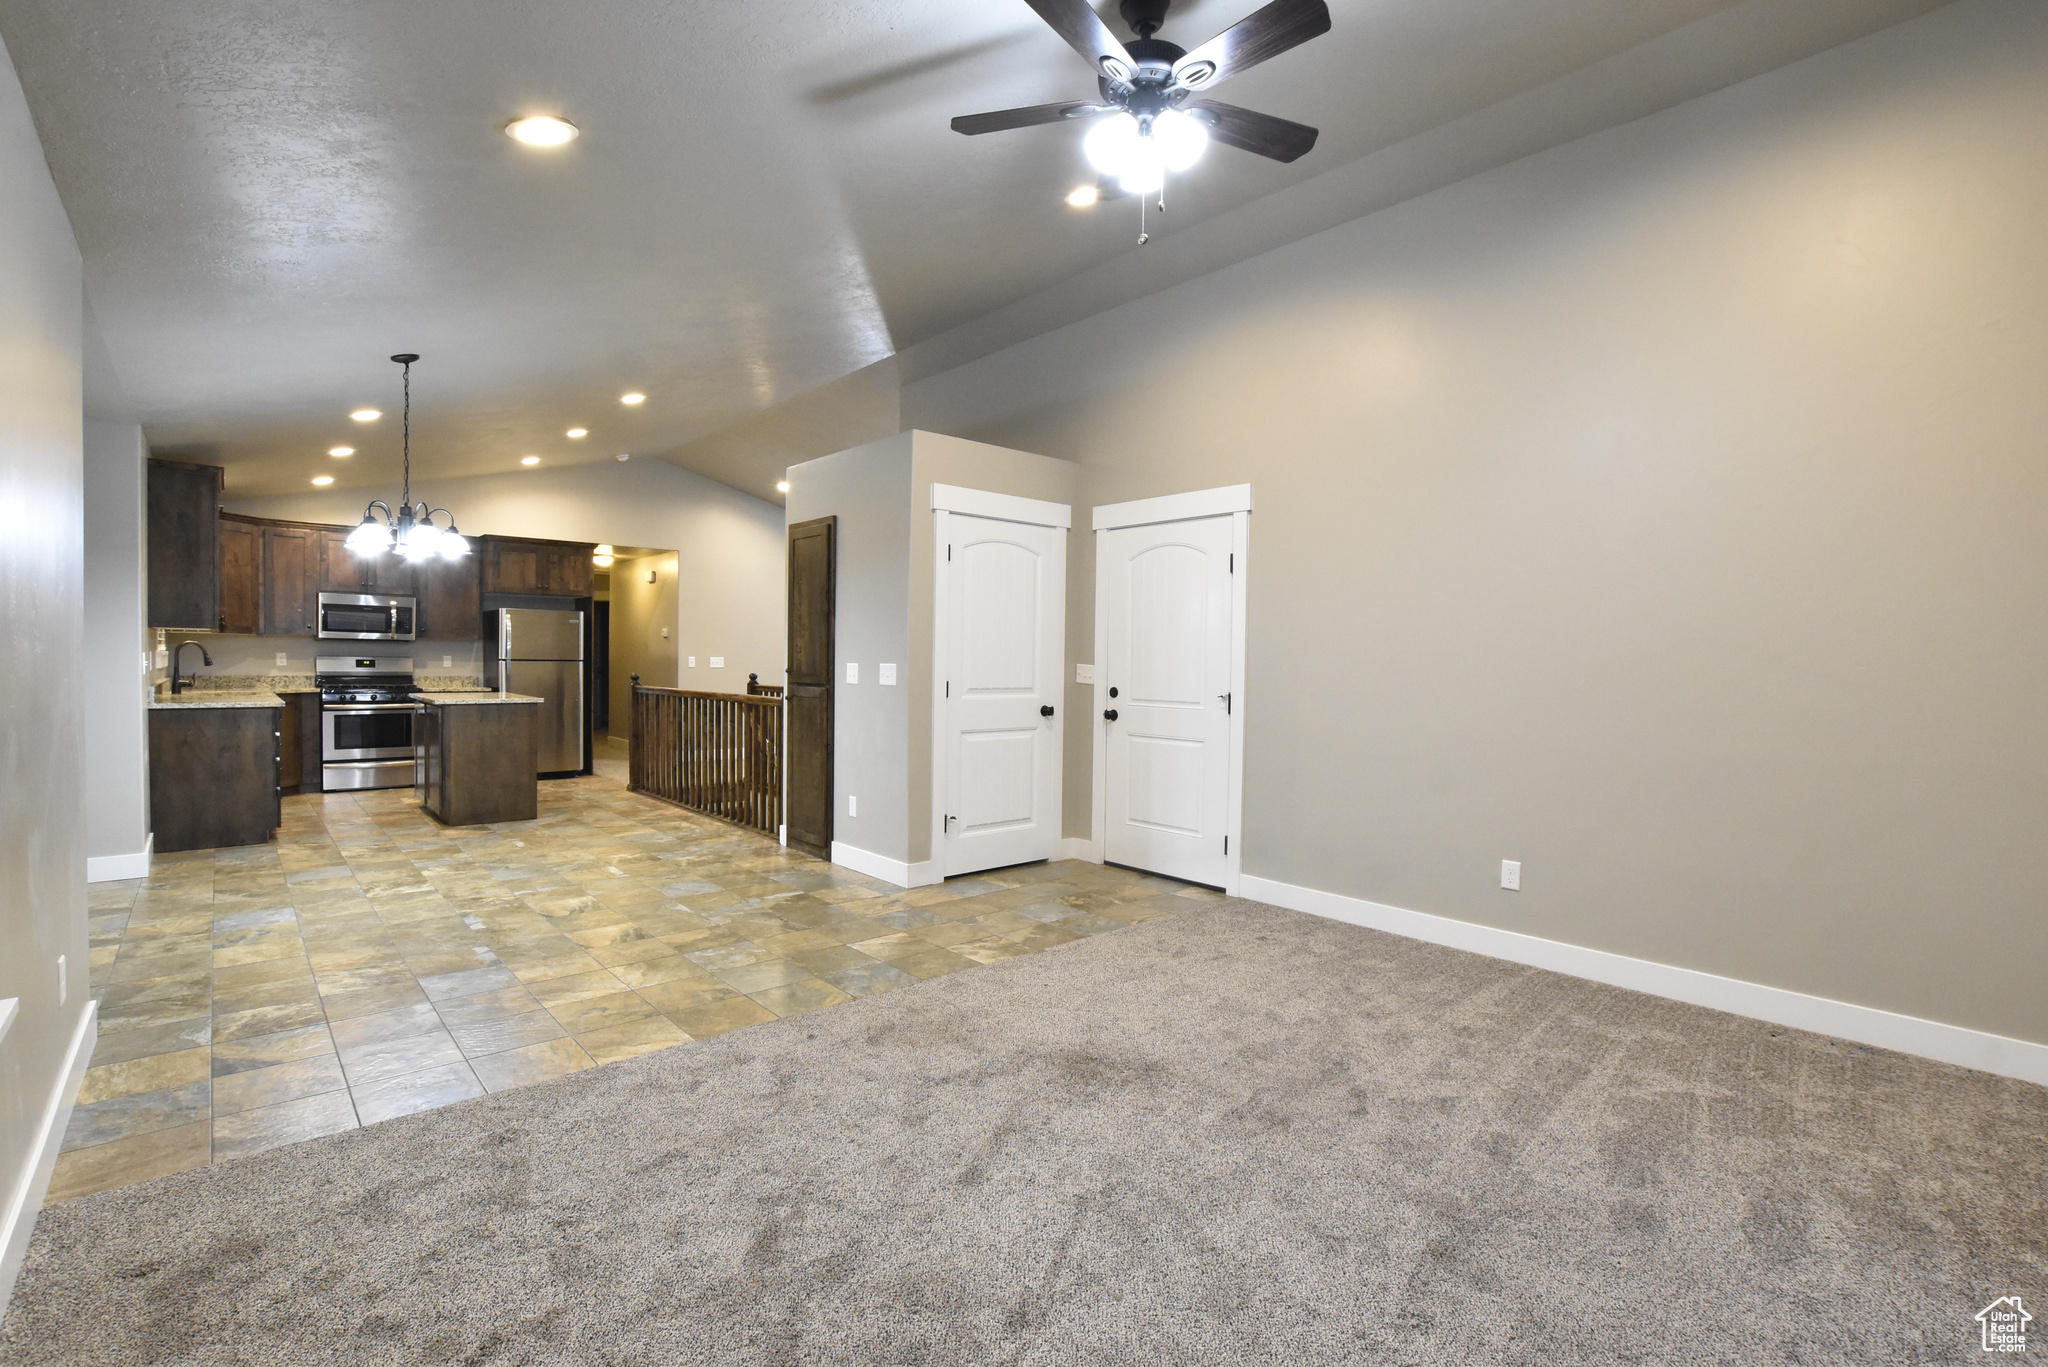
(365, 721)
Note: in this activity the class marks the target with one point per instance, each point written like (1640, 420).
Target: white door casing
(1170, 636)
(999, 617)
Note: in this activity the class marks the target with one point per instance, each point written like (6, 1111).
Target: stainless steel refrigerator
(540, 652)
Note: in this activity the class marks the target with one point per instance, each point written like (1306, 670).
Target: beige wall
(42, 610)
(1664, 511)
(116, 617)
(639, 611)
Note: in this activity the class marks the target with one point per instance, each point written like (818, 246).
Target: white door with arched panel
(1169, 622)
(1000, 607)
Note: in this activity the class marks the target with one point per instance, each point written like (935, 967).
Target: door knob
(1109, 714)
(1045, 711)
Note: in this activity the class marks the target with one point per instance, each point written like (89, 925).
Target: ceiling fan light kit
(1149, 122)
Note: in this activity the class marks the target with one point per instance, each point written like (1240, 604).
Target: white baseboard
(1078, 847)
(1955, 1044)
(25, 1202)
(106, 868)
(896, 871)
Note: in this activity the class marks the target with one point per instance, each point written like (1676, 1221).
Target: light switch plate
(664, 633)
(853, 673)
(693, 662)
(852, 805)
(718, 662)
(1084, 673)
(885, 674)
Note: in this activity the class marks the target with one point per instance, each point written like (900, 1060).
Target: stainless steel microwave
(366, 617)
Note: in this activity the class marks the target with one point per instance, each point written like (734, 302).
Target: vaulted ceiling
(272, 196)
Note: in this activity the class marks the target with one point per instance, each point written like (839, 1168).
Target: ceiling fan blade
(1262, 34)
(1250, 131)
(1086, 34)
(1001, 119)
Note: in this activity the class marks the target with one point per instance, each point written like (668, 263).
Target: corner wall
(42, 608)
(1662, 511)
(117, 681)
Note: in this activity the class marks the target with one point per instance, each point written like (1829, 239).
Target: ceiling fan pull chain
(1143, 236)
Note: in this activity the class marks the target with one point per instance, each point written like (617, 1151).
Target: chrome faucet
(180, 685)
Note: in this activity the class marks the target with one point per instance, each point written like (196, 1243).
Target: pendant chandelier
(411, 531)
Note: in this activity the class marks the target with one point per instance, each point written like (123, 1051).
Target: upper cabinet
(184, 546)
(451, 608)
(241, 575)
(291, 580)
(558, 569)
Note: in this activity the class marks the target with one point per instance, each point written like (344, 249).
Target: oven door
(365, 730)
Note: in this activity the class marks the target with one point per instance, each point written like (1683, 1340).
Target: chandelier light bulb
(1182, 139)
(370, 537)
(1110, 143)
(453, 545)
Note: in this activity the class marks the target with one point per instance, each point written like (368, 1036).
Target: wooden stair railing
(755, 688)
(716, 753)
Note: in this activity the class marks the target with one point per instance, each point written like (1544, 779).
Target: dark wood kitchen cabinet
(475, 761)
(184, 546)
(291, 580)
(299, 764)
(559, 569)
(241, 576)
(451, 604)
(213, 776)
(343, 571)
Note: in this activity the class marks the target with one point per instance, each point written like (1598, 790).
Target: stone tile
(718, 1018)
(949, 933)
(686, 994)
(138, 1113)
(560, 965)
(488, 1006)
(577, 987)
(372, 1001)
(265, 1020)
(738, 954)
(169, 1037)
(794, 999)
(931, 962)
(246, 1091)
(534, 1063)
(137, 1158)
(894, 946)
(153, 1073)
(279, 1046)
(414, 1092)
(468, 983)
(406, 1022)
(991, 950)
(651, 972)
(586, 1014)
(509, 1032)
(869, 979)
(249, 1132)
(613, 1043)
(285, 992)
(752, 978)
(374, 1062)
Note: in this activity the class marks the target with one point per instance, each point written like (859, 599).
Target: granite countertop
(216, 697)
(471, 699)
(304, 683)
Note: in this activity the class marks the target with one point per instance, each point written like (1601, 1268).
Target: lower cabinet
(213, 776)
(299, 763)
(476, 762)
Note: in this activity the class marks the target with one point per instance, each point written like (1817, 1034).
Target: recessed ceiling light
(1083, 196)
(366, 415)
(342, 451)
(529, 460)
(578, 433)
(323, 479)
(542, 130)
(630, 399)
(624, 456)
(782, 486)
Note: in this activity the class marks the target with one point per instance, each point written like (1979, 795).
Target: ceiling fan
(1153, 90)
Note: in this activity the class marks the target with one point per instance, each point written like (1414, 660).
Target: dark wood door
(450, 607)
(390, 573)
(569, 571)
(291, 581)
(513, 567)
(813, 589)
(601, 666)
(340, 570)
(241, 577)
(184, 546)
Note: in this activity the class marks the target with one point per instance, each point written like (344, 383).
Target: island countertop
(472, 699)
(201, 697)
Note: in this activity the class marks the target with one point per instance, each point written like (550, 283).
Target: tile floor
(369, 963)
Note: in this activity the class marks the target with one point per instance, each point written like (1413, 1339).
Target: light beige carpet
(1234, 1135)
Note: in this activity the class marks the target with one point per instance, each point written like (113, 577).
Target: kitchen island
(476, 756)
(213, 768)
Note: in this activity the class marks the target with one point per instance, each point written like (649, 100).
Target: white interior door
(1002, 600)
(1167, 612)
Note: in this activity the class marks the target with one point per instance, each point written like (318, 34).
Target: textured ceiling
(274, 195)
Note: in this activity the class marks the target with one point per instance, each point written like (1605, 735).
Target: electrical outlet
(852, 805)
(163, 657)
(1511, 874)
(853, 673)
(1084, 673)
(63, 981)
(280, 659)
(693, 662)
(447, 662)
(718, 662)
(885, 674)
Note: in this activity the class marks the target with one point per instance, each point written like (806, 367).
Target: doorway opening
(634, 622)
